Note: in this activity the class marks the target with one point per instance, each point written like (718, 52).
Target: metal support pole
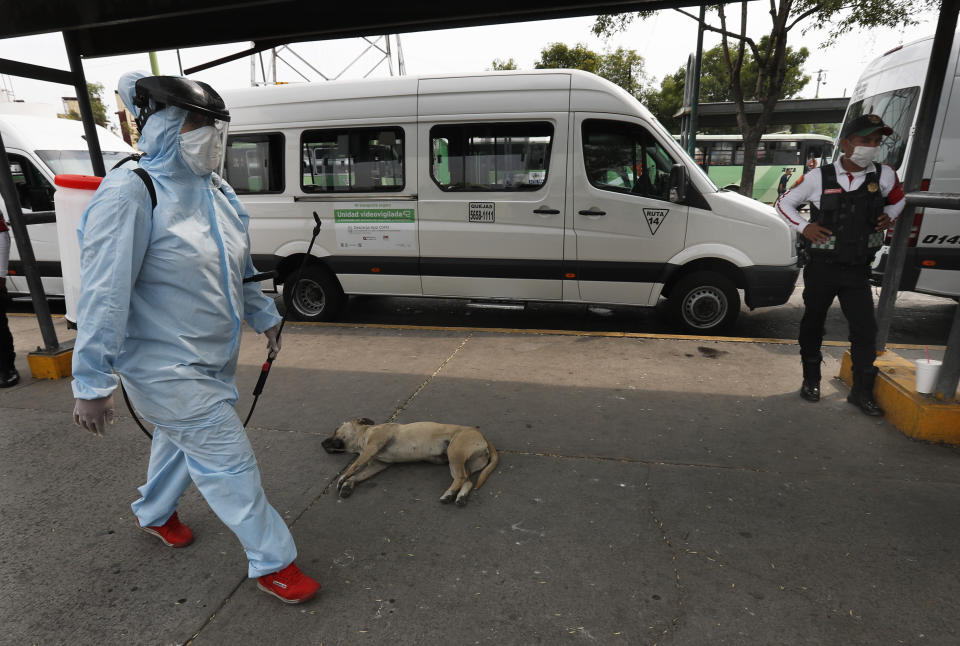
(695, 90)
(40, 306)
(949, 376)
(919, 150)
(83, 100)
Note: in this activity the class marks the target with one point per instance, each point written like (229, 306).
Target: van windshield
(77, 162)
(897, 109)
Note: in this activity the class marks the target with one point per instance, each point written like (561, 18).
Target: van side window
(33, 190)
(491, 156)
(625, 158)
(352, 160)
(255, 163)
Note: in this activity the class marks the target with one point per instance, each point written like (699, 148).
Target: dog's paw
(445, 499)
(346, 488)
(461, 501)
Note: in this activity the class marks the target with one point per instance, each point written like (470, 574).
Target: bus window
(785, 153)
(721, 153)
(816, 153)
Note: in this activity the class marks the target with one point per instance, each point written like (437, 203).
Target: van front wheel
(704, 302)
(313, 295)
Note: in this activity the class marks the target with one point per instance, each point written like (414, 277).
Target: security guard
(852, 202)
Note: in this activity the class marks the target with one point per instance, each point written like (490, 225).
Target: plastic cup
(927, 372)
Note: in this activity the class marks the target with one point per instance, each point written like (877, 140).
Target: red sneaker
(173, 533)
(290, 585)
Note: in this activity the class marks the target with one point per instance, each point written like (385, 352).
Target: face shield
(203, 142)
(203, 138)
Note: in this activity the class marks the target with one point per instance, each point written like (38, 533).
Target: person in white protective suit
(162, 304)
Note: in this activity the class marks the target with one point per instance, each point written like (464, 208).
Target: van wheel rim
(308, 297)
(704, 307)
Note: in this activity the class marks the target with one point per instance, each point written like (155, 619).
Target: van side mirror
(678, 183)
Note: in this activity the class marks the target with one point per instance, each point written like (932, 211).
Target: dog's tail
(491, 465)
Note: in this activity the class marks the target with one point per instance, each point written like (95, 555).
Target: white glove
(93, 414)
(273, 341)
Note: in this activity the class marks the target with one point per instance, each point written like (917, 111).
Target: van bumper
(765, 286)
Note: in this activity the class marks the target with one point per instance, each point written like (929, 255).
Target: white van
(553, 185)
(40, 148)
(890, 86)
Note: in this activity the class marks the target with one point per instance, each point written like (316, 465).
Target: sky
(664, 41)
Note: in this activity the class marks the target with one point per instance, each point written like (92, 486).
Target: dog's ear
(366, 421)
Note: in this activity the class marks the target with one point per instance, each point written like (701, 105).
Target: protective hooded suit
(162, 305)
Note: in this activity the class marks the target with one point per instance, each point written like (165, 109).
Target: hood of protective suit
(160, 137)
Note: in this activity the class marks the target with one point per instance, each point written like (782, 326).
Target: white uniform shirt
(809, 188)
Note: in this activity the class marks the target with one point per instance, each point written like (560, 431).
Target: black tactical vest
(851, 216)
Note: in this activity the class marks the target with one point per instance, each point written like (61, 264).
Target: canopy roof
(113, 27)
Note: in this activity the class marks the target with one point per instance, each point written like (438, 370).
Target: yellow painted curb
(52, 365)
(915, 415)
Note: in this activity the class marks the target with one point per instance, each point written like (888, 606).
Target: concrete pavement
(650, 491)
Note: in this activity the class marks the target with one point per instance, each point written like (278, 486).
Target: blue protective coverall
(162, 305)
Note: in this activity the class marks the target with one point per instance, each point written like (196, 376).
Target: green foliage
(828, 129)
(95, 91)
(715, 84)
(559, 56)
(841, 17)
(499, 64)
(623, 67)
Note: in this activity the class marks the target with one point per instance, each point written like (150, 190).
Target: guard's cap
(865, 124)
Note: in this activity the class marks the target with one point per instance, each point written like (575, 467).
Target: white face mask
(202, 149)
(863, 155)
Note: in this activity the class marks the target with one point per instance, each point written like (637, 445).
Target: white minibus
(40, 148)
(553, 185)
(890, 86)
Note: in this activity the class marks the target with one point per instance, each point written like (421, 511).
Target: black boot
(861, 394)
(810, 389)
(9, 378)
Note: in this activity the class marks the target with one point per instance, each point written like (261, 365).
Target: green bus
(721, 156)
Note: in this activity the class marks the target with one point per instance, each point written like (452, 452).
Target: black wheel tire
(314, 295)
(704, 301)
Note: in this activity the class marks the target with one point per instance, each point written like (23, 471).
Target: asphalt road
(918, 319)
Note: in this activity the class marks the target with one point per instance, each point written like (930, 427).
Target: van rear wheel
(704, 301)
(313, 295)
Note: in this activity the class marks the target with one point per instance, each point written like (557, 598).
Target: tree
(95, 91)
(715, 83)
(499, 64)
(770, 53)
(559, 56)
(623, 67)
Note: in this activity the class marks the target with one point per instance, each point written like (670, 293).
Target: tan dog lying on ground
(380, 445)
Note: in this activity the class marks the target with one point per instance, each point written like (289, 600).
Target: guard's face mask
(202, 148)
(862, 156)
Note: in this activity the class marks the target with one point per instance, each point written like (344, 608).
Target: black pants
(822, 282)
(6, 339)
